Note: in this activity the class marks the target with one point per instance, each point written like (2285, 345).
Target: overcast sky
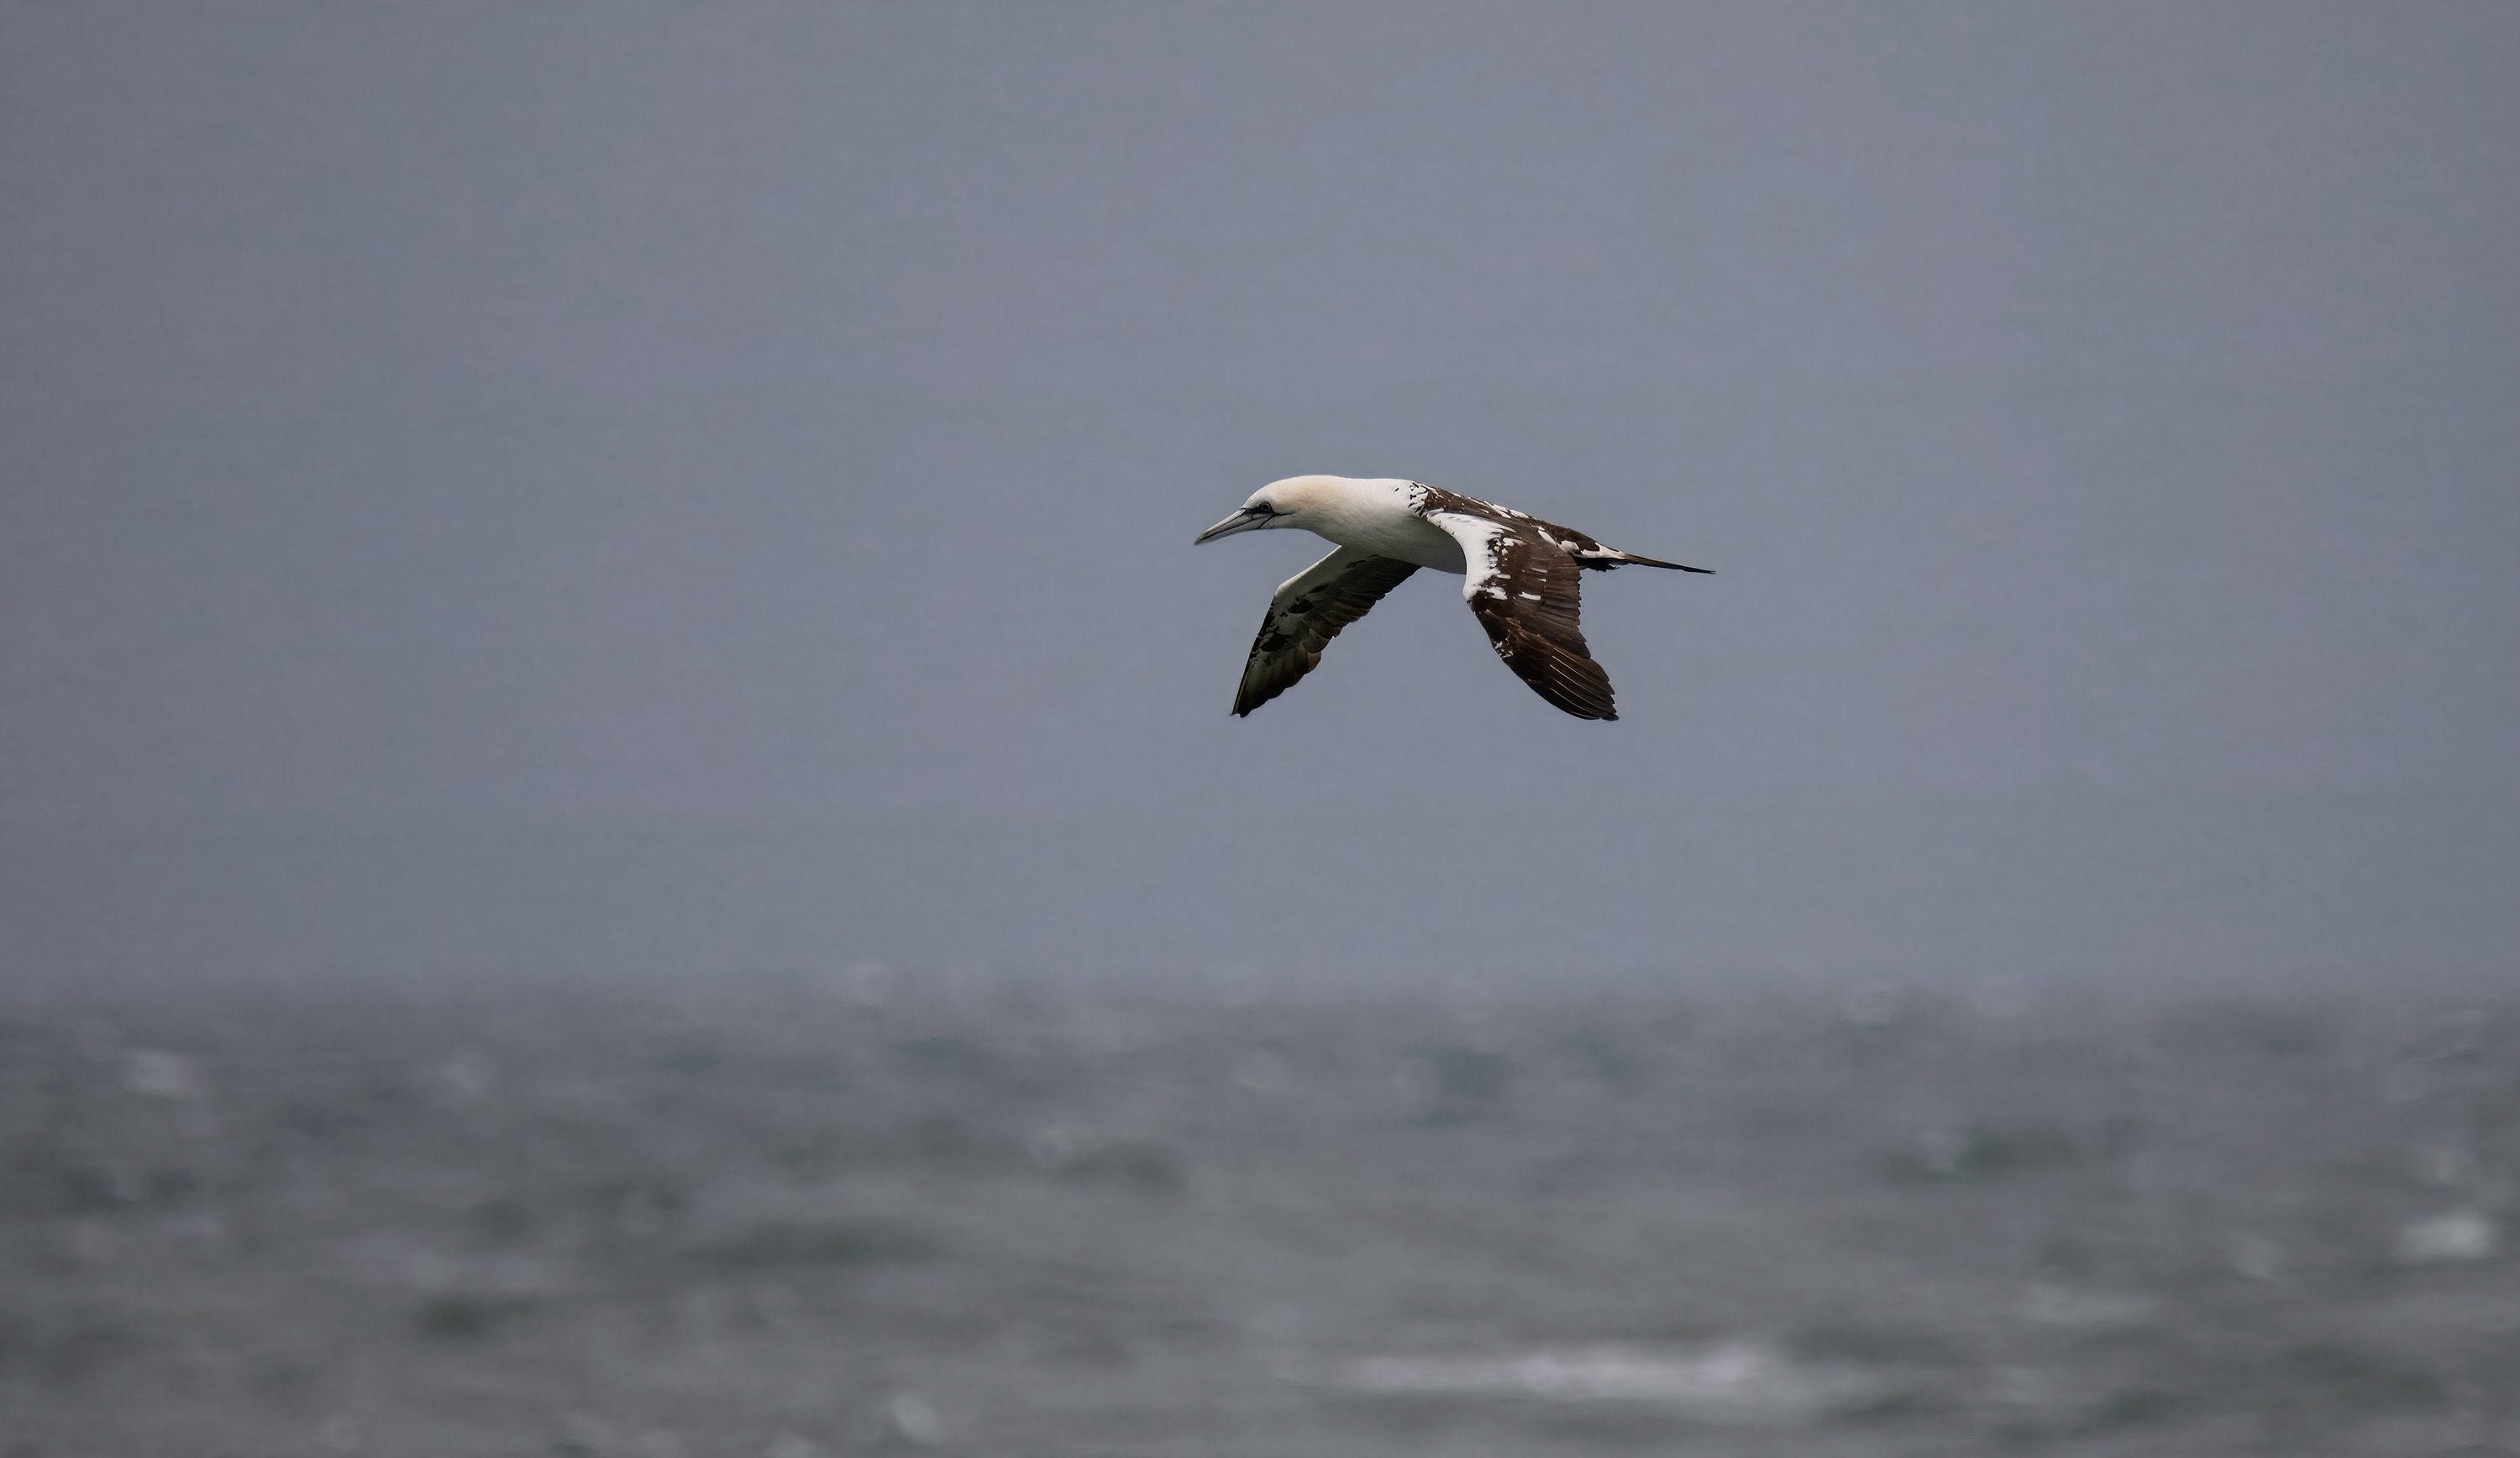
(691, 488)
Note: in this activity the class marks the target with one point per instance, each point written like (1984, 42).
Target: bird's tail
(1612, 557)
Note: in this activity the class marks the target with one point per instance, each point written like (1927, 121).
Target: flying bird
(1521, 578)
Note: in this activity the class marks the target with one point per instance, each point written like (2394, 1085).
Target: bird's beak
(1249, 518)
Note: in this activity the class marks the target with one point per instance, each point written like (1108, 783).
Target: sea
(882, 1211)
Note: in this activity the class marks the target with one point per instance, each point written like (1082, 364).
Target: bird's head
(1295, 502)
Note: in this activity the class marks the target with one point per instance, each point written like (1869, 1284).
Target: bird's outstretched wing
(1527, 593)
(1306, 613)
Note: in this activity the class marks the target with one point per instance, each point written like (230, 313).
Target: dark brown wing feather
(1587, 551)
(1306, 614)
(1528, 602)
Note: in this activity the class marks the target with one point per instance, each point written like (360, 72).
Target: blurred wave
(878, 1212)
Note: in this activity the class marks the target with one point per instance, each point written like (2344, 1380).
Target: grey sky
(699, 487)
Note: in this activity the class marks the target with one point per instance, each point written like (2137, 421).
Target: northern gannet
(1524, 589)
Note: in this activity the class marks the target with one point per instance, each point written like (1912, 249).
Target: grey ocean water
(873, 1214)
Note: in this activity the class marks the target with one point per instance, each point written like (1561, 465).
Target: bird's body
(1522, 580)
(1379, 517)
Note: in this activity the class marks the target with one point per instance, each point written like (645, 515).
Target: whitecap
(1739, 1381)
(2455, 1235)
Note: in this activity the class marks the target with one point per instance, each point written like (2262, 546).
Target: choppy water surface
(792, 1220)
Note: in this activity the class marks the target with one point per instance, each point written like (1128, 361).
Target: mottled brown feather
(1542, 640)
(1305, 616)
